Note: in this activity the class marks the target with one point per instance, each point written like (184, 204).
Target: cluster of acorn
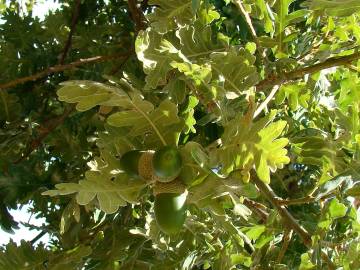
(161, 168)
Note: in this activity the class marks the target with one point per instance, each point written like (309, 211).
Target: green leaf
(296, 94)
(306, 263)
(339, 8)
(263, 12)
(157, 126)
(234, 71)
(170, 14)
(188, 114)
(337, 209)
(255, 232)
(246, 144)
(283, 20)
(191, 170)
(23, 257)
(104, 182)
(88, 94)
(336, 182)
(319, 150)
(177, 90)
(241, 259)
(156, 53)
(354, 190)
(197, 42)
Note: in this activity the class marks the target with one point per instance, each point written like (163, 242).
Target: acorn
(170, 206)
(166, 164)
(129, 162)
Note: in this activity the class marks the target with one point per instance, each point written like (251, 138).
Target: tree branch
(284, 213)
(60, 68)
(299, 73)
(44, 131)
(286, 241)
(136, 15)
(258, 208)
(74, 21)
(287, 218)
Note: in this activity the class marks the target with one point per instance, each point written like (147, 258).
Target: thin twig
(37, 237)
(303, 200)
(266, 101)
(74, 20)
(60, 68)
(248, 21)
(286, 241)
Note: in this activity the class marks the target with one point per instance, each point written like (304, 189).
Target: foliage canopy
(260, 97)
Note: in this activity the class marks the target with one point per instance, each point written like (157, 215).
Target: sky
(41, 9)
(22, 215)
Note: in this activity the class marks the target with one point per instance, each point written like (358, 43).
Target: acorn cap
(175, 186)
(145, 169)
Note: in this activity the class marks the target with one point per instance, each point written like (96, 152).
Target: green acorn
(129, 162)
(170, 211)
(167, 164)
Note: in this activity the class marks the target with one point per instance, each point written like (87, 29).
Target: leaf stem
(151, 124)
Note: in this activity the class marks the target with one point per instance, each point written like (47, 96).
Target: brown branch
(60, 68)
(287, 218)
(284, 213)
(303, 200)
(258, 208)
(144, 5)
(286, 241)
(74, 20)
(136, 15)
(44, 130)
(299, 73)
